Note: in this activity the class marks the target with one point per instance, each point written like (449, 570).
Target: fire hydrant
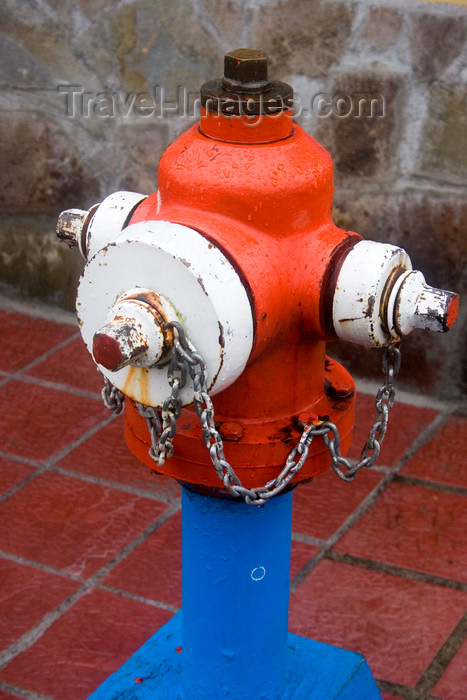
(207, 307)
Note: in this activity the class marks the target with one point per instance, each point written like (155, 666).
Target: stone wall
(84, 110)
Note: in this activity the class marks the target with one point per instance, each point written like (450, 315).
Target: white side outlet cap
(378, 297)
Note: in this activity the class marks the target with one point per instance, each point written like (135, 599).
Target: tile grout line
(372, 497)
(397, 689)
(139, 598)
(24, 482)
(131, 546)
(32, 635)
(429, 484)
(56, 386)
(307, 539)
(48, 465)
(45, 355)
(443, 658)
(133, 490)
(51, 461)
(395, 570)
(42, 567)
(391, 476)
(22, 460)
(23, 694)
(425, 436)
(48, 353)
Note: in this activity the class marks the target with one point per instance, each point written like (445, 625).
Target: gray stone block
(40, 169)
(442, 153)
(302, 37)
(363, 137)
(381, 28)
(435, 42)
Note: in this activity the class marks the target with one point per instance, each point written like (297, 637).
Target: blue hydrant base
(315, 671)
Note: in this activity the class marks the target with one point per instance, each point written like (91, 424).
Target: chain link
(162, 424)
(112, 397)
(384, 402)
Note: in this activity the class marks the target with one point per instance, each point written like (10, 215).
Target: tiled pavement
(90, 541)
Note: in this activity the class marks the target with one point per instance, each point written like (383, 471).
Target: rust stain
(137, 385)
(201, 283)
(152, 300)
(371, 305)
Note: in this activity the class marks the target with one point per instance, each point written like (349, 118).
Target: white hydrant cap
(197, 287)
(420, 306)
(378, 297)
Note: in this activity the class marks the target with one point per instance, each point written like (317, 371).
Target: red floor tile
(105, 455)
(38, 422)
(398, 624)
(88, 643)
(321, 506)
(71, 365)
(453, 683)
(12, 473)
(26, 595)
(405, 424)
(72, 525)
(25, 338)
(416, 528)
(6, 696)
(442, 459)
(154, 569)
(300, 555)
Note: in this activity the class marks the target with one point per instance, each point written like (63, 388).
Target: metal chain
(384, 402)
(162, 424)
(112, 397)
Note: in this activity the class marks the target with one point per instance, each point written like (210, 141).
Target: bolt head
(247, 68)
(231, 431)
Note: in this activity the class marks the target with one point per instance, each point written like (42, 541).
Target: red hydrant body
(238, 249)
(266, 202)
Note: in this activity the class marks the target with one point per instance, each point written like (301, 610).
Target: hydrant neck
(240, 128)
(245, 106)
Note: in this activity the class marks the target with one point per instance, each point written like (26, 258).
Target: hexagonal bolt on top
(246, 70)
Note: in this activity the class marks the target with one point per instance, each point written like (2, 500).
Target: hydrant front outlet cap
(172, 274)
(137, 333)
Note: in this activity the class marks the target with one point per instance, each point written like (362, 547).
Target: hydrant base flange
(314, 671)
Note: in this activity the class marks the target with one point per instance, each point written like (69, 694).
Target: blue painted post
(236, 564)
(232, 632)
